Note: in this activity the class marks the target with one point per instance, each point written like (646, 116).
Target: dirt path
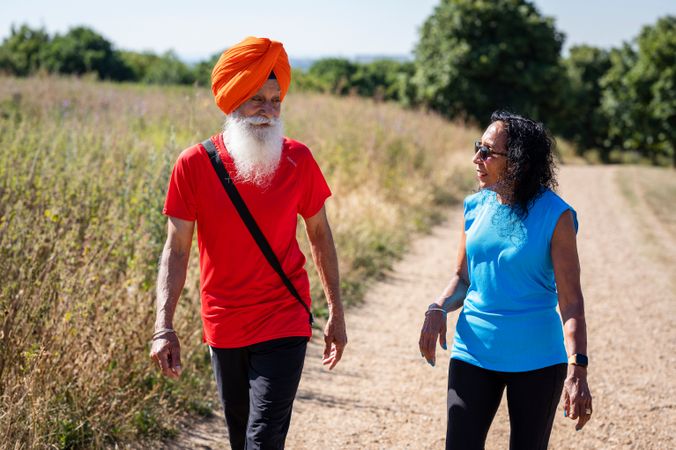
(384, 396)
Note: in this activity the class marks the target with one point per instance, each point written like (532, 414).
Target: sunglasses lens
(483, 151)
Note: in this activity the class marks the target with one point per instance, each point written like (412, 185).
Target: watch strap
(578, 359)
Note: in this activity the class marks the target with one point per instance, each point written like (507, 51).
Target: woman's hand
(451, 299)
(434, 327)
(577, 400)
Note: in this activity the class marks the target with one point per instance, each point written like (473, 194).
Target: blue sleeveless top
(509, 320)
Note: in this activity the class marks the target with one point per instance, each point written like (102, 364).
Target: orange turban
(243, 69)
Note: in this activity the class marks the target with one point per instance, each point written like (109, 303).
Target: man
(257, 331)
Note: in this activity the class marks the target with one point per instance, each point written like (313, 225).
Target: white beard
(255, 149)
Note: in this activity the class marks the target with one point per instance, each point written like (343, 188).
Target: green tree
(21, 53)
(333, 74)
(580, 118)
(150, 68)
(639, 95)
(138, 63)
(478, 55)
(304, 82)
(81, 50)
(202, 70)
(168, 69)
(407, 91)
(381, 79)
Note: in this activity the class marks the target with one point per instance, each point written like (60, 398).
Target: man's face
(253, 135)
(264, 103)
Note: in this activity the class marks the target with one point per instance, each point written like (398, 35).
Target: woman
(517, 260)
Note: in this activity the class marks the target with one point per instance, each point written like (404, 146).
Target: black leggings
(474, 395)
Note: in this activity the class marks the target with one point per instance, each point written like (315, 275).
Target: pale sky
(308, 28)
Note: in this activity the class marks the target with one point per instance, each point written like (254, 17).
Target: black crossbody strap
(250, 222)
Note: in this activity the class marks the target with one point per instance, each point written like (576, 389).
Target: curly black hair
(530, 160)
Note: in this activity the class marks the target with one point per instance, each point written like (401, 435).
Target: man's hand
(335, 339)
(166, 350)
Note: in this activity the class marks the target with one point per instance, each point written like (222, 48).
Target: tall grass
(651, 195)
(83, 174)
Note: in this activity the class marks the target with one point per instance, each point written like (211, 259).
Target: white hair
(255, 145)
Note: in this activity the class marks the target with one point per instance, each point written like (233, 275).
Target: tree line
(473, 56)
(27, 51)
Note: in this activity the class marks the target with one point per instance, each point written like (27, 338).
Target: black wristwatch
(578, 359)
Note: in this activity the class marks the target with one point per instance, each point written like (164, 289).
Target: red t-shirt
(243, 299)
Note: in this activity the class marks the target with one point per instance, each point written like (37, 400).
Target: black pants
(257, 385)
(474, 395)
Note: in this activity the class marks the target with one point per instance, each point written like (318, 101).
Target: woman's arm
(451, 298)
(577, 398)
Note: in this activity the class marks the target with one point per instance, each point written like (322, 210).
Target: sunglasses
(485, 152)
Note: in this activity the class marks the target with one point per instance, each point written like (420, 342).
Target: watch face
(581, 360)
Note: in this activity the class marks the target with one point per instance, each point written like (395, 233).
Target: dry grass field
(83, 173)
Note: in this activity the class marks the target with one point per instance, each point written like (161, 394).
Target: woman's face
(491, 170)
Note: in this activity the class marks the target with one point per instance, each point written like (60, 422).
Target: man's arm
(166, 349)
(326, 261)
